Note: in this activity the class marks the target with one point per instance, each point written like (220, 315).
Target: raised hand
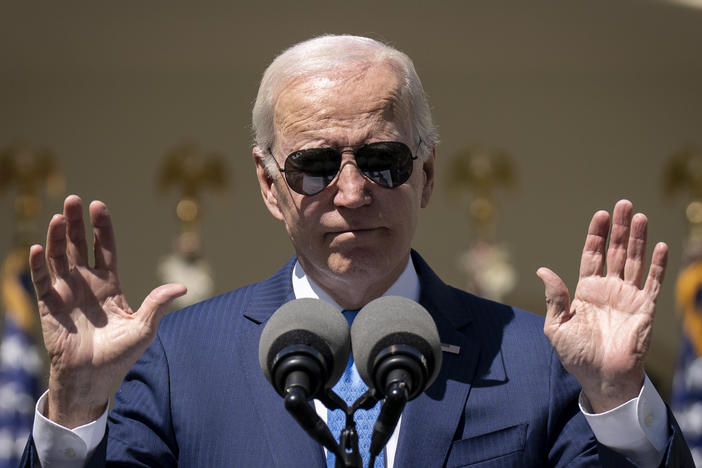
(91, 335)
(603, 335)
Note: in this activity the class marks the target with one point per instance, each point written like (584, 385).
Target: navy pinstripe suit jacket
(197, 397)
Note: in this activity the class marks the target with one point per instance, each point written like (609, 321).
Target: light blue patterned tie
(350, 387)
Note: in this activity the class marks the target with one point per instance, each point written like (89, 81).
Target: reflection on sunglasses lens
(309, 171)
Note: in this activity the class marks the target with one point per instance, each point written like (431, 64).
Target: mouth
(354, 230)
(353, 233)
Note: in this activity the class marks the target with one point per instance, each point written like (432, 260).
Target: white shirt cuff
(637, 429)
(58, 446)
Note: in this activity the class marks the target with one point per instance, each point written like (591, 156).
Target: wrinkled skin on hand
(92, 336)
(603, 334)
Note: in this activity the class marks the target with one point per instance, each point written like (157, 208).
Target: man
(344, 156)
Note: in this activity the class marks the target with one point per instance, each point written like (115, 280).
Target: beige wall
(589, 97)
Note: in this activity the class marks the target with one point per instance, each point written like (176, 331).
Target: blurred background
(586, 101)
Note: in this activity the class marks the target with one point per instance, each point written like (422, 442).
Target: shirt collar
(406, 285)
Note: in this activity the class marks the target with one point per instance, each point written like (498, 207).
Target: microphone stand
(301, 371)
(347, 454)
(395, 400)
(297, 373)
(298, 390)
(296, 402)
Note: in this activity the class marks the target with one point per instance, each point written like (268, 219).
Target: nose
(351, 186)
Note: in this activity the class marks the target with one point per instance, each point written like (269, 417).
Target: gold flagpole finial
(476, 173)
(475, 176)
(191, 171)
(683, 173)
(30, 171)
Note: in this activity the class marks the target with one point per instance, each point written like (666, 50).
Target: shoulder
(511, 322)
(219, 306)
(485, 320)
(255, 301)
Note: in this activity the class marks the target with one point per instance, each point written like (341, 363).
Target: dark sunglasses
(387, 163)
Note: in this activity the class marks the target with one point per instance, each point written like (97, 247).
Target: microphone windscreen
(310, 322)
(394, 320)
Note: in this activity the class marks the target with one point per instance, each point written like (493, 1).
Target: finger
(76, 248)
(39, 271)
(156, 304)
(592, 260)
(636, 250)
(619, 238)
(105, 248)
(557, 298)
(56, 246)
(657, 270)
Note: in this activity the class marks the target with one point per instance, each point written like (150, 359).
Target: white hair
(325, 53)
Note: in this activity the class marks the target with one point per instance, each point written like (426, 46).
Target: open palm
(603, 335)
(91, 334)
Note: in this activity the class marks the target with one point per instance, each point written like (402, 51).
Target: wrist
(72, 415)
(609, 394)
(73, 405)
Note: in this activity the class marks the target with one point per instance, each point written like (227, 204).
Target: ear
(269, 191)
(428, 169)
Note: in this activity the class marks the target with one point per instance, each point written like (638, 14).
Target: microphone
(303, 351)
(397, 351)
(308, 336)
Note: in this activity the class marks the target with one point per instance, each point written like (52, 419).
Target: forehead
(356, 102)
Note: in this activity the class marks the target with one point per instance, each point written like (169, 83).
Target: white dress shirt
(407, 285)
(637, 429)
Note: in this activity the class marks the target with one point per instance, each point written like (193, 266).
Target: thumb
(155, 305)
(557, 297)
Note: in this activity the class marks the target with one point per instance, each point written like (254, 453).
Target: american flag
(686, 400)
(21, 368)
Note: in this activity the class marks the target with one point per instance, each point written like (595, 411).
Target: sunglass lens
(387, 163)
(309, 171)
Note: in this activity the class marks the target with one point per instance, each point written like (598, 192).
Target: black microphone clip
(348, 454)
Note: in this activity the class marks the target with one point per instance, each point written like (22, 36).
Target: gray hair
(325, 53)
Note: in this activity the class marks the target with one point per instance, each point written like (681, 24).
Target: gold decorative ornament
(31, 171)
(191, 171)
(475, 175)
(683, 173)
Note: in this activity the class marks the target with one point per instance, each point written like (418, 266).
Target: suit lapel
(270, 294)
(429, 422)
(289, 445)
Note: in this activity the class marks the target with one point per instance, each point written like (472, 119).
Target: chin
(363, 263)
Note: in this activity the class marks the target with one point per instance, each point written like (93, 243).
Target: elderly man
(344, 154)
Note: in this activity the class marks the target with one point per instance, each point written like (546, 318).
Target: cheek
(418, 183)
(302, 217)
(286, 205)
(403, 210)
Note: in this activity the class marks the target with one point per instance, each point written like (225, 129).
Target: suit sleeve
(574, 444)
(677, 453)
(571, 441)
(139, 428)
